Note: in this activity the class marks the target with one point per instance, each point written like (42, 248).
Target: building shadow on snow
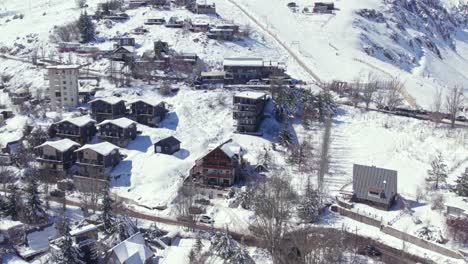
(141, 143)
(171, 121)
(182, 154)
(121, 175)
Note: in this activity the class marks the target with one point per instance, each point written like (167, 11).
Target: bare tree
(81, 3)
(355, 93)
(370, 87)
(393, 97)
(437, 105)
(273, 206)
(453, 103)
(324, 158)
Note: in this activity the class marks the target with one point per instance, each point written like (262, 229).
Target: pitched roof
(168, 141)
(132, 250)
(60, 145)
(83, 229)
(147, 101)
(103, 148)
(250, 62)
(251, 95)
(122, 122)
(64, 67)
(79, 121)
(229, 148)
(109, 100)
(367, 178)
(6, 224)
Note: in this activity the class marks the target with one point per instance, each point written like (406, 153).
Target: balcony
(87, 162)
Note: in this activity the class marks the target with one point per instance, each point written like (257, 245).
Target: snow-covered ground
(331, 45)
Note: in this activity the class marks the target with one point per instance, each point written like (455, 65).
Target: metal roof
(371, 178)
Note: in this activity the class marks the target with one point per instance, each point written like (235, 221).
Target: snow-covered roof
(79, 121)
(130, 49)
(251, 62)
(103, 148)
(132, 250)
(64, 67)
(83, 229)
(60, 145)
(122, 122)
(109, 100)
(6, 224)
(147, 101)
(229, 148)
(251, 95)
(213, 73)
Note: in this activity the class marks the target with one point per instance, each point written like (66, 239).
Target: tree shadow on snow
(170, 122)
(140, 143)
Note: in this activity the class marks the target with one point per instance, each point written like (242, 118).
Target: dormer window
(376, 192)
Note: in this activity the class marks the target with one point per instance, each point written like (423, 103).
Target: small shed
(167, 146)
(374, 186)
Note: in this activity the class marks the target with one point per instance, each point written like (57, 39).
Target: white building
(63, 86)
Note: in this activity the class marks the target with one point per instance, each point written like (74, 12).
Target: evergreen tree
(240, 256)
(33, 207)
(86, 27)
(36, 138)
(192, 257)
(68, 253)
(223, 245)
(198, 246)
(107, 217)
(309, 204)
(438, 171)
(461, 187)
(12, 203)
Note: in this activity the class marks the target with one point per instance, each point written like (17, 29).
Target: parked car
(292, 5)
(461, 118)
(206, 219)
(57, 193)
(254, 82)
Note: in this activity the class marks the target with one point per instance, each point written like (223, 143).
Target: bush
(67, 33)
(458, 228)
(165, 89)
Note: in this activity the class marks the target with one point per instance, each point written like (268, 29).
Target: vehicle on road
(370, 250)
(461, 118)
(206, 219)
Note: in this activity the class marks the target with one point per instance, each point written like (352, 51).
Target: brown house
(220, 166)
(107, 108)
(118, 131)
(56, 158)
(168, 146)
(95, 162)
(79, 129)
(148, 113)
(8, 152)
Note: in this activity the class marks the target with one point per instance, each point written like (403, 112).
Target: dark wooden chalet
(123, 41)
(147, 112)
(155, 21)
(56, 158)
(107, 108)
(97, 160)
(9, 151)
(118, 131)
(123, 53)
(242, 70)
(80, 129)
(167, 146)
(219, 167)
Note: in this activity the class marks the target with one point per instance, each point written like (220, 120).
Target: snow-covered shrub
(240, 256)
(430, 233)
(223, 245)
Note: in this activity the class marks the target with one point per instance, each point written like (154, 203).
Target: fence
(421, 242)
(399, 234)
(359, 217)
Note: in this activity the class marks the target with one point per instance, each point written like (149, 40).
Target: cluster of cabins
(113, 124)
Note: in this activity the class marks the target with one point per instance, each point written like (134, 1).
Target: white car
(206, 219)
